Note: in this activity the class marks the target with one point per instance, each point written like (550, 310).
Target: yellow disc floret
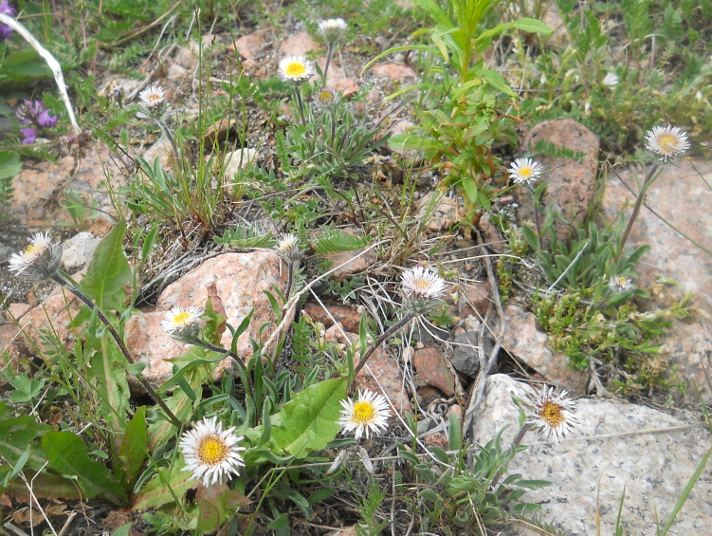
(212, 450)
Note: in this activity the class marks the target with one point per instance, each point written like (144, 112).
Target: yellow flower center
(364, 412)
(622, 280)
(667, 141)
(212, 450)
(551, 413)
(30, 250)
(295, 69)
(181, 318)
(526, 172)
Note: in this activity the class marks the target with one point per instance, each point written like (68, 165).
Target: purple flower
(30, 135)
(44, 120)
(5, 30)
(28, 112)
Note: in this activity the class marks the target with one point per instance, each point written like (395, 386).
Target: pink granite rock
(40, 188)
(240, 279)
(394, 71)
(523, 340)
(298, 45)
(441, 211)
(248, 46)
(384, 368)
(431, 369)
(682, 198)
(336, 78)
(571, 183)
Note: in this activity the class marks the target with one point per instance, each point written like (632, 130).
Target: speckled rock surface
(431, 368)
(523, 340)
(682, 198)
(77, 251)
(571, 183)
(39, 189)
(240, 279)
(653, 467)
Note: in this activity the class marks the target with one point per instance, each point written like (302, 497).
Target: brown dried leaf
(218, 306)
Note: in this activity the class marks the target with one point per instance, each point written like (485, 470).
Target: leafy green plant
(460, 121)
(9, 167)
(458, 493)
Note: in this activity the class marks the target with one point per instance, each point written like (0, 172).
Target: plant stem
(651, 176)
(329, 53)
(515, 444)
(120, 343)
(390, 331)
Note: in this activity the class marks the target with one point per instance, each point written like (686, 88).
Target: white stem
(52, 63)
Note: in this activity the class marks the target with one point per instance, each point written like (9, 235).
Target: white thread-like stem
(52, 63)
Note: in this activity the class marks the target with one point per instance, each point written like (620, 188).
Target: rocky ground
(647, 451)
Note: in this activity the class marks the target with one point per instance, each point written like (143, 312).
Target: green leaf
(16, 434)
(532, 484)
(108, 372)
(168, 484)
(23, 66)
(67, 454)
(494, 79)
(336, 240)
(109, 273)
(435, 11)
(134, 446)
(309, 421)
(123, 530)
(10, 164)
(526, 24)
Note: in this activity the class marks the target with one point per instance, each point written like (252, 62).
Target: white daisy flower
(667, 142)
(421, 284)
(40, 259)
(181, 321)
(369, 414)
(610, 80)
(620, 283)
(288, 248)
(295, 69)
(152, 97)
(552, 414)
(525, 170)
(210, 452)
(332, 30)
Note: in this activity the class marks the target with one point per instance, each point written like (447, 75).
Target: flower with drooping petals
(152, 97)
(525, 170)
(422, 284)
(211, 453)
(288, 248)
(620, 283)
(667, 142)
(552, 414)
(367, 415)
(359, 110)
(331, 30)
(39, 260)
(295, 69)
(610, 80)
(182, 323)
(326, 97)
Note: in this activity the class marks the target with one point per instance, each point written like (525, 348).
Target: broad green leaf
(44, 485)
(108, 372)
(16, 434)
(526, 24)
(309, 421)
(163, 489)
(123, 530)
(134, 446)
(67, 454)
(10, 164)
(24, 65)
(179, 403)
(109, 275)
(494, 79)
